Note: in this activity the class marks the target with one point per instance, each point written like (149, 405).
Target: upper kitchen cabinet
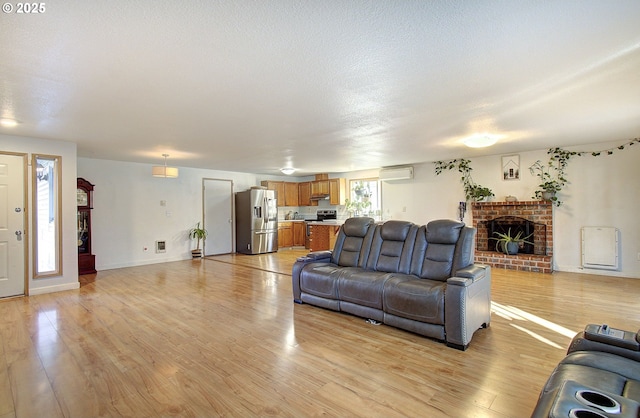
(290, 194)
(304, 194)
(337, 191)
(319, 189)
(278, 186)
(287, 192)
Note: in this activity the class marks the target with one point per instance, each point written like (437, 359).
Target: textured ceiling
(323, 86)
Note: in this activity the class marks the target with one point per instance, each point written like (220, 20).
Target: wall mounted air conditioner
(396, 173)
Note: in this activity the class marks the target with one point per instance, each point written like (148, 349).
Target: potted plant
(472, 191)
(549, 185)
(198, 234)
(508, 244)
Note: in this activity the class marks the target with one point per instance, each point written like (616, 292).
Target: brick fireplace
(537, 214)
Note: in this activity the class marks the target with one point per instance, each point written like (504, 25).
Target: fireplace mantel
(540, 212)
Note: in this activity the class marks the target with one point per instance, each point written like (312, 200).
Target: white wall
(603, 191)
(128, 216)
(66, 150)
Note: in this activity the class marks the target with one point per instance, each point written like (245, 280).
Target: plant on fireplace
(510, 245)
(550, 185)
(472, 191)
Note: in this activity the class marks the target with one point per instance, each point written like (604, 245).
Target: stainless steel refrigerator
(256, 221)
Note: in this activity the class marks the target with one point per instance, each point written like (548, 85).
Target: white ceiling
(323, 86)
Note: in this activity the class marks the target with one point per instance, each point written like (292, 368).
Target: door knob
(18, 233)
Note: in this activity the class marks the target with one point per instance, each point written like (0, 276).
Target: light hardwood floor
(222, 337)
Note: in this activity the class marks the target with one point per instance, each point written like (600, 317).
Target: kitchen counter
(332, 222)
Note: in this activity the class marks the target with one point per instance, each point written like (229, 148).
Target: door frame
(233, 213)
(25, 218)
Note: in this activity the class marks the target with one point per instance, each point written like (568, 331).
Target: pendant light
(164, 171)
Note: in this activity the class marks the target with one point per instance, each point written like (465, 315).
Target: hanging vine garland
(472, 191)
(558, 161)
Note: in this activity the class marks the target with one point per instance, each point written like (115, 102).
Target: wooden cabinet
(86, 260)
(300, 194)
(299, 234)
(278, 186)
(285, 234)
(337, 191)
(304, 194)
(323, 237)
(286, 192)
(290, 194)
(319, 188)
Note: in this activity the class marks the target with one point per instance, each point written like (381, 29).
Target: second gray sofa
(418, 278)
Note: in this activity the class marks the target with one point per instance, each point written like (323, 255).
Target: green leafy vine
(552, 174)
(472, 191)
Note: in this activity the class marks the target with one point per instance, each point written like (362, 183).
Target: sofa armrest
(467, 304)
(582, 343)
(317, 255)
(468, 275)
(312, 257)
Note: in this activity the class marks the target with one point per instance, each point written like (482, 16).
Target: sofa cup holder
(597, 400)
(585, 413)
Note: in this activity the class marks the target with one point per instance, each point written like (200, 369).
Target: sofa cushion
(320, 279)
(392, 247)
(435, 248)
(414, 298)
(363, 287)
(353, 242)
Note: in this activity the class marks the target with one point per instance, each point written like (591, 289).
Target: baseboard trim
(51, 289)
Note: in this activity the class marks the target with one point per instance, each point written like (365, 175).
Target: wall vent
(161, 246)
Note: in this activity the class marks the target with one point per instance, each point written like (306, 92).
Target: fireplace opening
(512, 225)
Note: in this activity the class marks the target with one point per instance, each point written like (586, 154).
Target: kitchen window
(364, 197)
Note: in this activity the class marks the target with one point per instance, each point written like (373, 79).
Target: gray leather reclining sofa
(418, 278)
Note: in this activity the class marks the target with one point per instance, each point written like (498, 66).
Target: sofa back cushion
(392, 247)
(442, 247)
(353, 242)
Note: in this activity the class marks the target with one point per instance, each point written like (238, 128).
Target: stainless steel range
(324, 215)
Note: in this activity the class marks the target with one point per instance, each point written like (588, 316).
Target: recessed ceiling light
(287, 170)
(8, 123)
(481, 140)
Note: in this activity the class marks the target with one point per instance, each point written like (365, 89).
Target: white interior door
(218, 216)
(12, 233)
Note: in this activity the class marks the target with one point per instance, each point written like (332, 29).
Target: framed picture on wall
(511, 167)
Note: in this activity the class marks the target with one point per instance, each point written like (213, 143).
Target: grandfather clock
(86, 260)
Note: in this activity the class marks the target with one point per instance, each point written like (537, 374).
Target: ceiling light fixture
(481, 140)
(288, 170)
(8, 123)
(164, 171)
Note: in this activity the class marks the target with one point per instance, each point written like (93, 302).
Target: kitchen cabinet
(285, 234)
(319, 188)
(304, 193)
(323, 237)
(278, 186)
(299, 234)
(337, 191)
(290, 194)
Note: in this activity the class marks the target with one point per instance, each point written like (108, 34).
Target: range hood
(320, 197)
